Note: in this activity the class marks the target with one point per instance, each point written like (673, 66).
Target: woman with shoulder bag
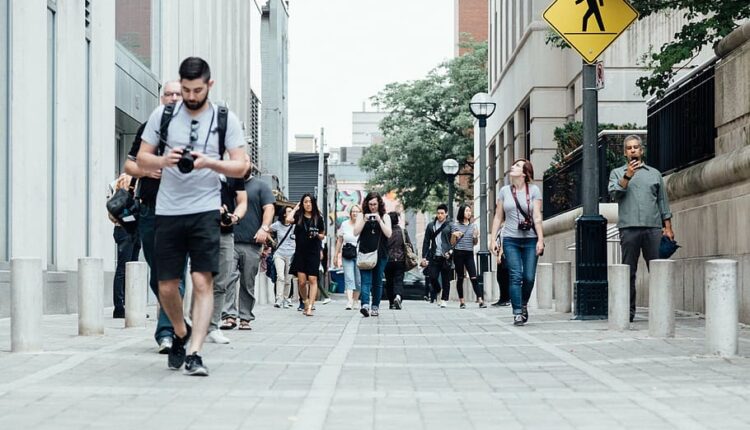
(464, 235)
(282, 256)
(396, 267)
(346, 252)
(519, 206)
(374, 229)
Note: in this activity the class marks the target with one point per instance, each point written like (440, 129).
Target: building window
(254, 127)
(4, 119)
(51, 134)
(526, 112)
(133, 27)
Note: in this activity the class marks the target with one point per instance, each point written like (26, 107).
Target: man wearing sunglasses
(188, 202)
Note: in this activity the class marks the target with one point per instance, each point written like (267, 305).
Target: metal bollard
(544, 285)
(722, 308)
(90, 296)
(661, 299)
(136, 286)
(26, 304)
(618, 277)
(562, 285)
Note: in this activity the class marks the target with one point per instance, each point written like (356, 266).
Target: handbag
(410, 257)
(123, 207)
(368, 260)
(349, 251)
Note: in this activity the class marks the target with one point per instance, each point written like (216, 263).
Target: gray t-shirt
(197, 191)
(466, 243)
(259, 194)
(287, 247)
(512, 216)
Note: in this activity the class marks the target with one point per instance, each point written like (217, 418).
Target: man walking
(643, 210)
(185, 147)
(435, 254)
(147, 189)
(249, 237)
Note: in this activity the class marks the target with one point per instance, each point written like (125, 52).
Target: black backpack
(166, 118)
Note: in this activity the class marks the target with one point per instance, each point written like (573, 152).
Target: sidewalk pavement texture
(419, 368)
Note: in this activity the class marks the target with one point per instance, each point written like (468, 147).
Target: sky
(342, 52)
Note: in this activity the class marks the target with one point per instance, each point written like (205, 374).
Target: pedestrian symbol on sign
(593, 10)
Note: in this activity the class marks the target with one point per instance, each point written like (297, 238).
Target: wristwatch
(626, 177)
(265, 228)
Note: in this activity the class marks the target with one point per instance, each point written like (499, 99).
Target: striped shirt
(466, 243)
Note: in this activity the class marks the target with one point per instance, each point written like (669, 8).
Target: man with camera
(643, 210)
(233, 208)
(250, 235)
(185, 147)
(436, 254)
(148, 187)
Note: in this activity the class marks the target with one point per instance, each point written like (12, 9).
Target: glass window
(133, 27)
(4, 113)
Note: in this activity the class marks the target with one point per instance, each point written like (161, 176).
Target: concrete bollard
(618, 277)
(26, 304)
(722, 308)
(661, 298)
(491, 287)
(544, 285)
(136, 290)
(562, 285)
(90, 296)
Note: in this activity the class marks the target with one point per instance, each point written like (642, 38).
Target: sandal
(244, 325)
(228, 323)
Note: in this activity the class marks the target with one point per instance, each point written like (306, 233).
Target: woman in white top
(282, 257)
(347, 239)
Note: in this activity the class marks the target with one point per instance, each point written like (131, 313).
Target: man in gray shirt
(188, 202)
(643, 210)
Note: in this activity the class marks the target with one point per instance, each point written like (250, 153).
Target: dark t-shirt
(229, 190)
(259, 194)
(303, 242)
(148, 188)
(372, 238)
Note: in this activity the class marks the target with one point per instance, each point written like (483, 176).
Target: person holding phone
(643, 214)
(519, 206)
(373, 229)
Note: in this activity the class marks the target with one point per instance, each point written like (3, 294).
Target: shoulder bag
(270, 266)
(410, 257)
(368, 260)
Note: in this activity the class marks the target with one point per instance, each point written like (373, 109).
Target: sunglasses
(194, 124)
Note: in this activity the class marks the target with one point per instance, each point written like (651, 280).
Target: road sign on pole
(590, 26)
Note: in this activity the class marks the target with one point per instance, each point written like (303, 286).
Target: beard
(196, 105)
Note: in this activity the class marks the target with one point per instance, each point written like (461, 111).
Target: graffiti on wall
(353, 195)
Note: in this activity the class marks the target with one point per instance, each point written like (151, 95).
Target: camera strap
(288, 230)
(518, 205)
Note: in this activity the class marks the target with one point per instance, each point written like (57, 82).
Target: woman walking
(282, 256)
(309, 231)
(346, 256)
(519, 205)
(396, 267)
(466, 236)
(374, 229)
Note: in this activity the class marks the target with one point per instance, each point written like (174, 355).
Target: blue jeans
(352, 277)
(520, 257)
(146, 224)
(372, 282)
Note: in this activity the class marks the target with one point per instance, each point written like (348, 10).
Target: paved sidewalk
(419, 368)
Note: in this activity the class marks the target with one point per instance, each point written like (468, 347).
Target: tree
(429, 121)
(709, 22)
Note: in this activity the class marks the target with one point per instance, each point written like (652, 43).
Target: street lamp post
(450, 168)
(482, 107)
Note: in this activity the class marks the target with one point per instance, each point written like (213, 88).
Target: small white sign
(599, 75)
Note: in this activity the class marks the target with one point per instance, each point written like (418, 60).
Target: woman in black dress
(309, 231)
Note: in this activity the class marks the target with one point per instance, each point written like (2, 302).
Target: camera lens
(186, 163)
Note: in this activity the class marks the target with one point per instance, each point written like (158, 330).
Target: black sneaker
(462, 306)
(518, 320)
(194, 365)
(392, 306)
(177, 353)
(118, 313)
(365, 311)
(482, 305)
(525, 313)
(501, 303)
(397, 302)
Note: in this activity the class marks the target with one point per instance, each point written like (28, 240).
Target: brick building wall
(471, 17)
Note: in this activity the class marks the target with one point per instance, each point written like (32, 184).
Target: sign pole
(591, 228)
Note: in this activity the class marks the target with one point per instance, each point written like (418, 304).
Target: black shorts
(178, 236)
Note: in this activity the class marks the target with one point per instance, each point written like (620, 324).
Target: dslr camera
(313, 233)
(525, 225)
(187, 161)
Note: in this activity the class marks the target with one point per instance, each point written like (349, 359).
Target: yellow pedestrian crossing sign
(590, 26)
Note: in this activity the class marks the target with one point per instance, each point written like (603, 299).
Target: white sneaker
(286, 304)
(277, 303)
(165, 344)
(349, 305)
(443, 304)
(216, 336)
(327, 300)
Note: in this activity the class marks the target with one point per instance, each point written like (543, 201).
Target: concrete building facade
(275, 100)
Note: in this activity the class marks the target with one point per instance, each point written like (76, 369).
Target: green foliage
(429, 121)
(709, 22)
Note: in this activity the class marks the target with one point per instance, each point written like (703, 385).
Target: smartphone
(370, 217)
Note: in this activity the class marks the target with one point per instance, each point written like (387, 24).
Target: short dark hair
(442, 206)
(462, 213)
(195, 68)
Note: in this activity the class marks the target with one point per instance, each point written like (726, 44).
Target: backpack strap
(166, 118)
(221, 122)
